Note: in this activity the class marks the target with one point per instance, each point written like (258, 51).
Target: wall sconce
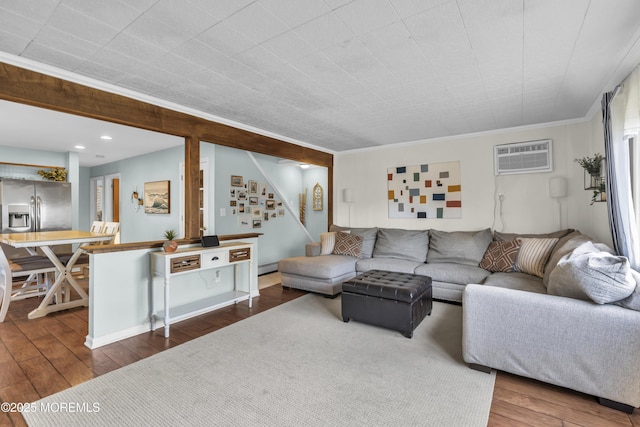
(136, 200)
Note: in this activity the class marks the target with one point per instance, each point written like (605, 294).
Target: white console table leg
(166, 307)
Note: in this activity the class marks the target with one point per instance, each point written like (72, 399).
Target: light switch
(223, 212)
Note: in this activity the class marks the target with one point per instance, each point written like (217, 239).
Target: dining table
(46, 241)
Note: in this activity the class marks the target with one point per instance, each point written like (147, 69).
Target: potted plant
(170, 245)
(55, 174)
(593, 168)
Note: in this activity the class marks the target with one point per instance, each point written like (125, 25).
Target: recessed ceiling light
(106, 137)
(79, 147)
(304, 166)
(99, 156)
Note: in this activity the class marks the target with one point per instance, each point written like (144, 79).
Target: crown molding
(467, 135)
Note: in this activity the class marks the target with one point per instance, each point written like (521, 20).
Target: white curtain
(621, 119)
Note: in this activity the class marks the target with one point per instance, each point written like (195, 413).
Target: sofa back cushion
(368, 237)
(411, 245)
(461, 247)
(499, 236)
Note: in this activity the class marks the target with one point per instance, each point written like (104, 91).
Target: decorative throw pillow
(501, 256)
(590, 274)
(533, 255)
(348, 244)
(327, 242)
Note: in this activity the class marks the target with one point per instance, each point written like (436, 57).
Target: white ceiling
(341, 74)
(38, 129)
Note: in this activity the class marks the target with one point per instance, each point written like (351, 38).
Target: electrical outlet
(501, 196)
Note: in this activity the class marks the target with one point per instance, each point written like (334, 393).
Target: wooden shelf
(196, 308)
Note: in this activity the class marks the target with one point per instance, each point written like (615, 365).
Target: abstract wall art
(431, 190)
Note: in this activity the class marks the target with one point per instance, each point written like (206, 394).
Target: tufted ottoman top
(389, 285)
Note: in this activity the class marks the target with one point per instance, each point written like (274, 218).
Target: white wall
(527, 206)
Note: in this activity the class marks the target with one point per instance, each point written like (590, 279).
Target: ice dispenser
(18, 216)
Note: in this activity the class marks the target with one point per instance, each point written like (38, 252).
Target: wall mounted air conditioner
(523, 157)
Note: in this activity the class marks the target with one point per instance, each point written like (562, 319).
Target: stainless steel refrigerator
(34, 205)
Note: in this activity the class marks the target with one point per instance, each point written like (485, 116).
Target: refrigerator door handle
(32, 212)
(38, 212)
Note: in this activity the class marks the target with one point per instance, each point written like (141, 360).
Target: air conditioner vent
(523, 157)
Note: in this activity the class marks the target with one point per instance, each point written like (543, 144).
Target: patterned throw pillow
(501, 256)
(348, 244)
(327, 242)
(533, 255)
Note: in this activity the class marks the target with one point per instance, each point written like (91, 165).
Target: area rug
(296, 364)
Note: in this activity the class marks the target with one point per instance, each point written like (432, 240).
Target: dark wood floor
(43, 356)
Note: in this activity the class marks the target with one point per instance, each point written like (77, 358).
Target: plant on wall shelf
(594, 179)
(591, 164)
(599, 193)
(55, 174)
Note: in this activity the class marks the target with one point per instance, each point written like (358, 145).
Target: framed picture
(253, 187)
(257, 223)
(236, 181)
(242, 194)
(253, 200)
(266, 216)
(263, 191)
(256, 212)
(244, 221)
(233, 202)
(157, 198)
(280, 212)
(232, 193)
(270, 204)
(270, 196)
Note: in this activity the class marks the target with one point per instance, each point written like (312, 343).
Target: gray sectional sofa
(570, 316)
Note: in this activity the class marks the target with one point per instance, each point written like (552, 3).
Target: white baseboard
(93, 343)
(267, 268)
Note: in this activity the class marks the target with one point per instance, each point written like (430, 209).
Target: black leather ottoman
(397, 301)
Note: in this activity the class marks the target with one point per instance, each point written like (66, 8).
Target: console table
(194, 259)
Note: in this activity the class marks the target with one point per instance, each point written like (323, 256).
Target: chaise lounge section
(555, 307)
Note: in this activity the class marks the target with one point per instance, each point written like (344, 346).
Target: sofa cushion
(368, 237)
(459, 274)
(591, 274)
(533, 255)
(348, 244)
(461, 247)
(501, 256)
(633, 300)
(516, 281)
(503, 237)
(411, 245)
(564, 246)
(388, 264)
(322, 267)
(327, 242)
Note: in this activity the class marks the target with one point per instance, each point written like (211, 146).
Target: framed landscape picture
(237, 181)
(157, 198)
